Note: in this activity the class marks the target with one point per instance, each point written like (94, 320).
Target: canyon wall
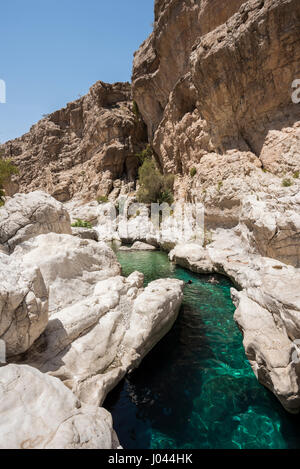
(212, 93)
(213, 83)
(79, 151)
(215, 77)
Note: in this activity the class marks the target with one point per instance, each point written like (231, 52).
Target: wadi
(124, 330)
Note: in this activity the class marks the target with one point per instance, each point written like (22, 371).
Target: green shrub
(193, 172)
(154, 186)
(287, 183)
(2, 196)
(220, 185)
(296, 175)
(102, 199)
(7, 169)
(145, 154)
(81, 224)
(135, 109)
(166, 197)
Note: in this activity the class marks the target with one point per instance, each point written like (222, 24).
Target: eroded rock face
(81, 149)
(272, 226)
(23, 304)
(39, 412)
(213, 83)
(163, 59)
(27, 215)
(85, 233)
(216, 76)
(268, 346)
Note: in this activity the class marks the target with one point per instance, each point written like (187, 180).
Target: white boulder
(39, 412)
(27, 215)
(92, 344)
(85, 233)
(70, 266)
(23, 304)
(138, 246)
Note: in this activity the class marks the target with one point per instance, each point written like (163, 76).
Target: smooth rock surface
(92, 344)
(70, 266)
(39, 412)
(269, 349)
(27, 215)
(138, 246)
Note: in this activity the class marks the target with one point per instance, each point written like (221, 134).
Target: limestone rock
(81, 149)
(39, 412)
(193, 257)
(269, 350)
(85, 233)
(211, 93)
(89, 212)
(138, 246)
(273, 226)
(27, 215)
(92, 344)
(69, 265)
(3, 249)
(220, 103)
(158, 65)
(101, 325)
(23, 304)
(268, 307)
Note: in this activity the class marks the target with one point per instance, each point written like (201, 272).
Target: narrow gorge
(157, 331)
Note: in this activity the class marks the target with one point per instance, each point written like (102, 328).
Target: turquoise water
(196, 388)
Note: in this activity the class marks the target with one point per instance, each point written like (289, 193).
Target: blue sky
(53, 51)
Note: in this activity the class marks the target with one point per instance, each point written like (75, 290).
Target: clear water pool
(196, 388)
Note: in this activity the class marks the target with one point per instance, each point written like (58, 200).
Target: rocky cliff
(81, 149)
(213, 83)
(215, 78)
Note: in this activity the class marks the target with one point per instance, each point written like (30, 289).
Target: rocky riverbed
(72, 325)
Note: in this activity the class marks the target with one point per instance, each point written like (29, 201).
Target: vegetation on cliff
(81, 224)
(154, 186)
(7, 169)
